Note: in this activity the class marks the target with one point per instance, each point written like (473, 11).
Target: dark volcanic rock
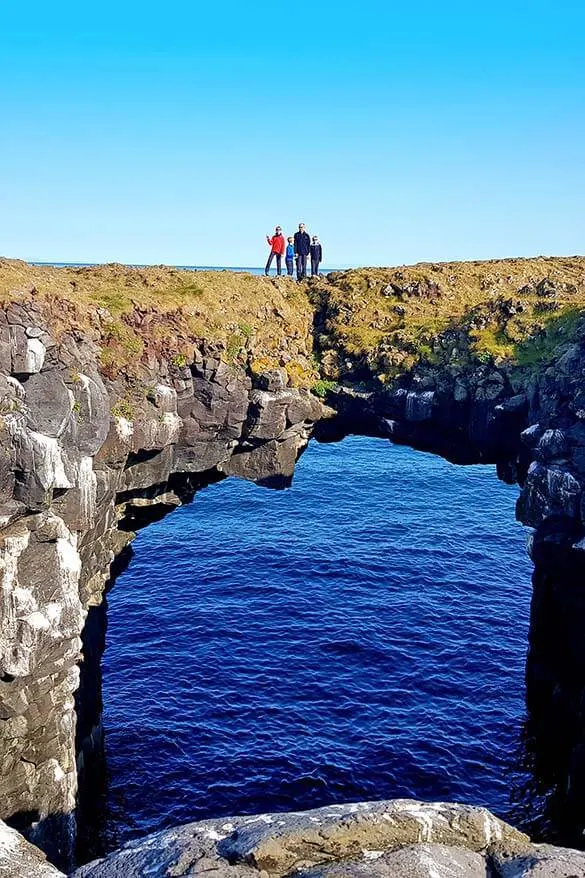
(83, 463)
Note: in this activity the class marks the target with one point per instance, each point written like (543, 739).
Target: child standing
(290, 256)
(316, 256)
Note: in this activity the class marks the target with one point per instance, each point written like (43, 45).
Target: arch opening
(286, 665)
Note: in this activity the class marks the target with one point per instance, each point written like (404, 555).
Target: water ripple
(361, 635)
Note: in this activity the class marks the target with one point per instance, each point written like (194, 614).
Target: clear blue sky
(182, 132)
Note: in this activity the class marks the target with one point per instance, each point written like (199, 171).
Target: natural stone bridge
(81, 469)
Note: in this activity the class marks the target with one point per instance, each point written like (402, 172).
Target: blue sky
(182, 132)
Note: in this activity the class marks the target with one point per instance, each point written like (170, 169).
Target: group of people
(297, 249)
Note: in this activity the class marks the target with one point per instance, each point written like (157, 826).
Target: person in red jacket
(277, 248)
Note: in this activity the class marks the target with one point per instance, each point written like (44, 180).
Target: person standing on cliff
(290, 256)
(277, 246)
(316, 256)
(302, 250)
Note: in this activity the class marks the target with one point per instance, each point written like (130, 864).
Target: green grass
(322, 387)
(124, 409)
(115, 302)
(541, 347)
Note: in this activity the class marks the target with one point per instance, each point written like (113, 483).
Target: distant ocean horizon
(258, 270)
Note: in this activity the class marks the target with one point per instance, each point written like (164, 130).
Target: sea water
(361, 635)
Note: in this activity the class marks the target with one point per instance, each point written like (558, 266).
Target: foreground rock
(394, 839)
(19, 859)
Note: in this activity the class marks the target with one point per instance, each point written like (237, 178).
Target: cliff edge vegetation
(359, 325)
(141, 315)
(380, 323)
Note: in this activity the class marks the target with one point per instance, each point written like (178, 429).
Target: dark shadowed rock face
(19, 859)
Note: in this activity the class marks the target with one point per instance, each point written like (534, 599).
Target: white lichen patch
(53, 613)
(32, 617)
(14, 602)
(58, 772)
(69, 569)
(86, 388)
(492, 827)
(214, 835)
(20, 392)
(165, 397)
(87, 484)
(35, 355)
(372, 855)
(428, 863)
(37, 621)
(48, 461)
(124, 428)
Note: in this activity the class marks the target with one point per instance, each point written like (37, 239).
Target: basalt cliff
(124, 390)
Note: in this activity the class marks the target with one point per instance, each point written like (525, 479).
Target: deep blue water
(360, 635)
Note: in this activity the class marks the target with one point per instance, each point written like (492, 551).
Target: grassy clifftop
(138, 315)
(370, 324)
(382, 322)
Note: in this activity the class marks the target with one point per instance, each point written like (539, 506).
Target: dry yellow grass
(161, 311)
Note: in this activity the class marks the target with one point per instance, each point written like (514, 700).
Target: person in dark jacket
(277, 246)
(316, 256)
(302, 250)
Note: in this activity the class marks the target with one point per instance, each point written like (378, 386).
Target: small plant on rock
(322, 387)
(123, 409)
(179, 361)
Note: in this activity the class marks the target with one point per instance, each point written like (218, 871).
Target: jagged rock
(270, 464)
(548, 491)
(49, 403)
(164, 398)
(78, 457)
(273, 380)
(419, 406)
(551, 446)
(543, 861)
(19, 859)
(531, 435)
(91, 407)
(413, 861)
(513, 404)
(267, 416)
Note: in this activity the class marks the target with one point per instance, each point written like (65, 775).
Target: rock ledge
(402, 838)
